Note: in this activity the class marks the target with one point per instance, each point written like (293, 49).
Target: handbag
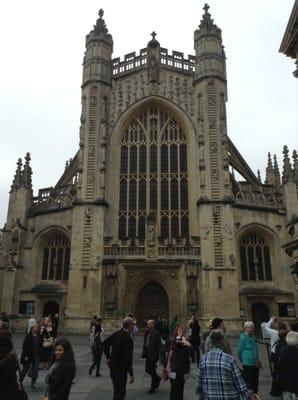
(47, 342)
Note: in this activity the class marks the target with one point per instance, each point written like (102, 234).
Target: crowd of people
(172, 345)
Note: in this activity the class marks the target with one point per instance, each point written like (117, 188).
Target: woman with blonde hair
(249, 357)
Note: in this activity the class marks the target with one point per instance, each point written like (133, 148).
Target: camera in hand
(178, 339)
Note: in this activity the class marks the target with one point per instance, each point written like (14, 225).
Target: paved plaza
(93, 388)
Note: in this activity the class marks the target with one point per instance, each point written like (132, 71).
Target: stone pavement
(93, 388)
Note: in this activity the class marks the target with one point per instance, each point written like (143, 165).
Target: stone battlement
(133, 62)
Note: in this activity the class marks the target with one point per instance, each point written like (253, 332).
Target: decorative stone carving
(228, 232)
(93, 101)
(83, 114)
(222, 106)
(111, 288)
(205, 231)
(192, 289)
(151, 236)
(88, 215)
(153, 69)
(200, 107)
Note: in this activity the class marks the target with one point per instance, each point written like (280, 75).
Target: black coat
(118, 348)
(287, 369)
(8, 380)
(29, 348)
(180, 362)
(152, 348)
(59, 382)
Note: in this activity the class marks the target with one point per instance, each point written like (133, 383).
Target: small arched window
(56, 258)
(255, 258)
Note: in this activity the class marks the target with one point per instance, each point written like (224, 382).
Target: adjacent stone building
(149, 216)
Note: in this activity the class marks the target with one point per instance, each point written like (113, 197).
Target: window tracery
(56, 258)
(153, 176)
(255, 258)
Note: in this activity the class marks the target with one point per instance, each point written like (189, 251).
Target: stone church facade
(149, 216)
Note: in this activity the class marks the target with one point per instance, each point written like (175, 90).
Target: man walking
(118, 349)
(218, 374)
(151, 348)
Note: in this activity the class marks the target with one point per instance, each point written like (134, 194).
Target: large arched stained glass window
(255, 258)
(153, 176)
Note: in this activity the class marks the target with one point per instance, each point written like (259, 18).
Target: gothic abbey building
(149, 217)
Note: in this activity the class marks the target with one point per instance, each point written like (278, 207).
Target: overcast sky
(42, 47)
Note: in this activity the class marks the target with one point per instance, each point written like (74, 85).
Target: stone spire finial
(276, 172)
(27, 172)
(100, 30)
(153, 42)
(207, 21)
(269, 171)
(295, 166)
(259, 176)
(287, 173)
(18, 178)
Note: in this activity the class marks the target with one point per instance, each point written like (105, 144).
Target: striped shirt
(220, 378)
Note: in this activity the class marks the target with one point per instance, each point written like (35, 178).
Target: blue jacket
(247, 350)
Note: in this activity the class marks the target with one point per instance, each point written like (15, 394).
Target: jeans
(119, 379)
(34, 370)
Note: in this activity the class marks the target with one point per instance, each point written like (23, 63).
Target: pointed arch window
(55, 258)
(255, 258)
(153, 176)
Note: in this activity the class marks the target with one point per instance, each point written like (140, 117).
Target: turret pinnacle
(210, 55)
(18, 178)
(276, 172)
(100, 31)
(287, 174)
(259, 176)
(27, 172)
(295, 166)
(269, 171)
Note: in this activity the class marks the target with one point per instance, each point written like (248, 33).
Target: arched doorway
(152, 301)
(259, 314)
(51, 307)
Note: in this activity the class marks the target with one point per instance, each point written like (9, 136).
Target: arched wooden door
(259, 313)
(152, 301)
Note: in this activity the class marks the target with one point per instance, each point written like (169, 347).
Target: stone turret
(20, 198)
(98, 55)
(215, 211)
(210, 55)
(88, 212)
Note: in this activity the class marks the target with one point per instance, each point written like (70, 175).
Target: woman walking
(178, 363)
(249, 357)
(62, 371)
(30, 354)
